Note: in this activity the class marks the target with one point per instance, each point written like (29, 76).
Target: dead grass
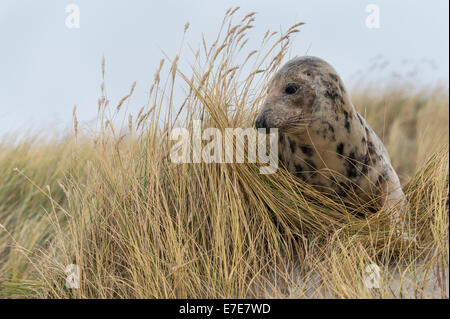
(110, 201)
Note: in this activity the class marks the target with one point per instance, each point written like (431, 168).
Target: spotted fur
(323, 139)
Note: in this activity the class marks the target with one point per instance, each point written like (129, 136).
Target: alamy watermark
(372, 279)
(219, 149)
(373, 19)
(73, 17)
(73, 276)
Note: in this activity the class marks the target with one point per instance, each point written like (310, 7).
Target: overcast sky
(46, 68)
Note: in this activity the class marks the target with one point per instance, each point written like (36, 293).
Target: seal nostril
(261, 122)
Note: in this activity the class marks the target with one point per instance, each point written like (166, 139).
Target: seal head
(302, 91)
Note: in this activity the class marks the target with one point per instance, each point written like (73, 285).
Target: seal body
(322, 138)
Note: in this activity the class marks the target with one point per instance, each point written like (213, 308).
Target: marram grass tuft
(110, 201)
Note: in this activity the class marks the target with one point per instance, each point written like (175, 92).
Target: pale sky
(46, 68)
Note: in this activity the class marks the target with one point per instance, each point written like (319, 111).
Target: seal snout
(261, 122)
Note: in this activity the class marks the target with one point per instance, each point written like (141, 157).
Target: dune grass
(109, 199)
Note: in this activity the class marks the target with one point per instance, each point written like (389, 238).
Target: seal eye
(291, 88)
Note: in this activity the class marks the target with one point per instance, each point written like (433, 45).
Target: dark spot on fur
(359, 118)
(347, 126)
(333, 77)
(307, 150)
(347, 123)
(342, 88)
(365, 166)
(333, 94)
(325, 83)
(311, 164)
(340, 148)
(351, 166)
(332, 91)
(330, 127)
(292, 145)
(328, 131)
(372, 155)
(298, 171)
(371, 148)
(380, 180)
